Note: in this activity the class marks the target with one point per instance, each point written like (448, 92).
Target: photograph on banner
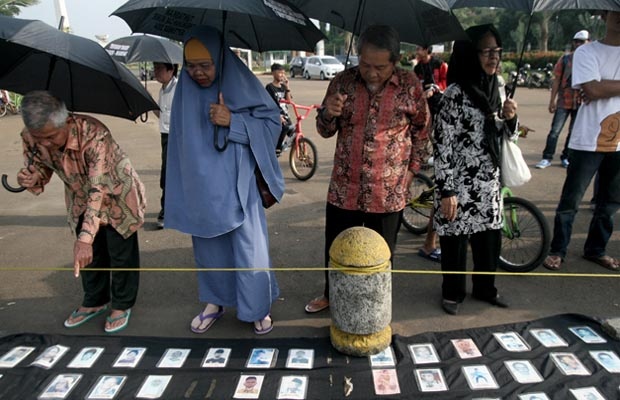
(153, 386)
(106, 387)
(293, 387)
(523, 371)
(50, 356)
(607, 359)
(15, 356)
(511, 341)
(466, 348)
(423, 353)
(216, 357)
(534, 396)
(60, 387)
(249, 386)
(479, 377)
(384, 358)
(86, 358)
(173, 358)
(587, 393)
(430, 380)
(262, 358)
(548, 338)
(568, 364)
(129, 357)
(385, 381)
(300, 359)
(587, 334)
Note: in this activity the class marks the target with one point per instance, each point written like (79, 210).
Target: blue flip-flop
(202, 317)
(126, 314)
(88, 315)
(434, 255)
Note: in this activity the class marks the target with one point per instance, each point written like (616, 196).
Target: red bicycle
(303, 158)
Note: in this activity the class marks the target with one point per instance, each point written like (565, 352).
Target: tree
(12, 8)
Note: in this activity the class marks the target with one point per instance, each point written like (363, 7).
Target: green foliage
(12, 8)
(537, 59)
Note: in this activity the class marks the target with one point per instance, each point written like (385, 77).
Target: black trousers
(162, 174)
(485, 247)
(338, 220)
(111, 250)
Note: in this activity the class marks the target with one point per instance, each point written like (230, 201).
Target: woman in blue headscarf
(223, 130)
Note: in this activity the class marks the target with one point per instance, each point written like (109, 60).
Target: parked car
(353, 60)
(322, 67)
(297, 66)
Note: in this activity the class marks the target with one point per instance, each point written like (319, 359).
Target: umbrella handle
(216, 140)
(144, 117)
(5, 184)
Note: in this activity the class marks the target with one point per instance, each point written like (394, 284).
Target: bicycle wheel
(303, 159)
(525, 236)
(417, 218)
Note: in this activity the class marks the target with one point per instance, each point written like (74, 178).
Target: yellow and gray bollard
(360, 292)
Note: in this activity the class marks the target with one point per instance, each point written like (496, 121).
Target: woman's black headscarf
(482, 89)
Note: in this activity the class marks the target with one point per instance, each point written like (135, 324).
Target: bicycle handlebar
(297, 107)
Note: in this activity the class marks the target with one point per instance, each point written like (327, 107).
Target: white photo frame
(479, 377)
(466, 348)
(216, 357)
(423, 353)
(384, 358)
(587, 393)
(548, 338)
(129, 357)
(262, 358)
(106, 387)
(15, 356)
(153, 386)
(86, 358)
(607, 359)
(385, 381)
(60, 387)
(568, 364)
(511, 341)
(430, 380)
(587, 334)
(50, 356)
(249, 386)
(300, 359)
(523, 371)
(534, 396)
(293, 387)
(173, 358)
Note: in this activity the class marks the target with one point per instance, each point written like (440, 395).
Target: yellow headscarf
(195, 50)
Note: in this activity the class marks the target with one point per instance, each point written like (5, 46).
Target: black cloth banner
(326, 378)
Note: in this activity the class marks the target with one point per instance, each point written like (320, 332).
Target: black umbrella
(36, 56)
(137, 48)
(259, 25)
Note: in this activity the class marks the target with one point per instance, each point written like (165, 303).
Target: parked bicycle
(525, 232)
(10, 102)
(303, 158)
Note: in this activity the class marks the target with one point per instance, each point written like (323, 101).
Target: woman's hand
(448, 207)
(219, 113)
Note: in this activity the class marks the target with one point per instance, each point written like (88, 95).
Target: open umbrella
(250, 24)
(138, 48)
(36, 56)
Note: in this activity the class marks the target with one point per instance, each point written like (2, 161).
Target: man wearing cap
(564, 103)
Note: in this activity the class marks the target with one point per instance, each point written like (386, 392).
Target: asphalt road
(38, 290)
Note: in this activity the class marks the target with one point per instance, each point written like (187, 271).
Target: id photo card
(86, 358)
(511, 341)
(153, 387)
(106, 387)
(50, 356)
(173, 358)
(523, 371)
(430, 380)
(216, 357)
(300, 359)
(60, 387)
(293, 387)
(249, 386)
(548, 338)
(569, 364)
(15, 356)
(385, 358)
(587, 334)
(479, 377)
(129, 357)
(385, 381)
(262, 358)
(466, 348)
(424, 353)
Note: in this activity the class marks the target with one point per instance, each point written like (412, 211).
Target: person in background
(166, 74)
(381, 119)
(594, 149)
(223, 131)
(467, 138)
(105, 202)
(564, 103)
(278, 89)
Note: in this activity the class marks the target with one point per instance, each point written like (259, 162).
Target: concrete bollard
(360, 292)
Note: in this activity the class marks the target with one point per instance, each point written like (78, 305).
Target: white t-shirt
(165, 105)
(597, 124)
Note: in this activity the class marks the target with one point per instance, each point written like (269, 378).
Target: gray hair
(40, 107)
(383, 37)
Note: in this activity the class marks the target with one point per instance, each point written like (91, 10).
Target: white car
(322, 67)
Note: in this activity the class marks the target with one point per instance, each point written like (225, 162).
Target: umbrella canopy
(539, 5)
(130, 49)
(416, 21)
(249, 24)
(36, 56)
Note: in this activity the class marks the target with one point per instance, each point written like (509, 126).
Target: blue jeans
(557, 124)
(583, 166)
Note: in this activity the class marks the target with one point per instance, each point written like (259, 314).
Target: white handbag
(514, 169)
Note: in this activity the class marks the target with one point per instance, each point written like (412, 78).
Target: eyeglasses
(488, 52)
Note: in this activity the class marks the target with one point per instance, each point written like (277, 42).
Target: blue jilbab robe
(213, 195)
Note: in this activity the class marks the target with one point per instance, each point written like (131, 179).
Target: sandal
(264, 326)
(87, 316)
(126, 314)
(605, 261)
(434, 255)
(552, 263)
(202, 317)
(317, 304)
